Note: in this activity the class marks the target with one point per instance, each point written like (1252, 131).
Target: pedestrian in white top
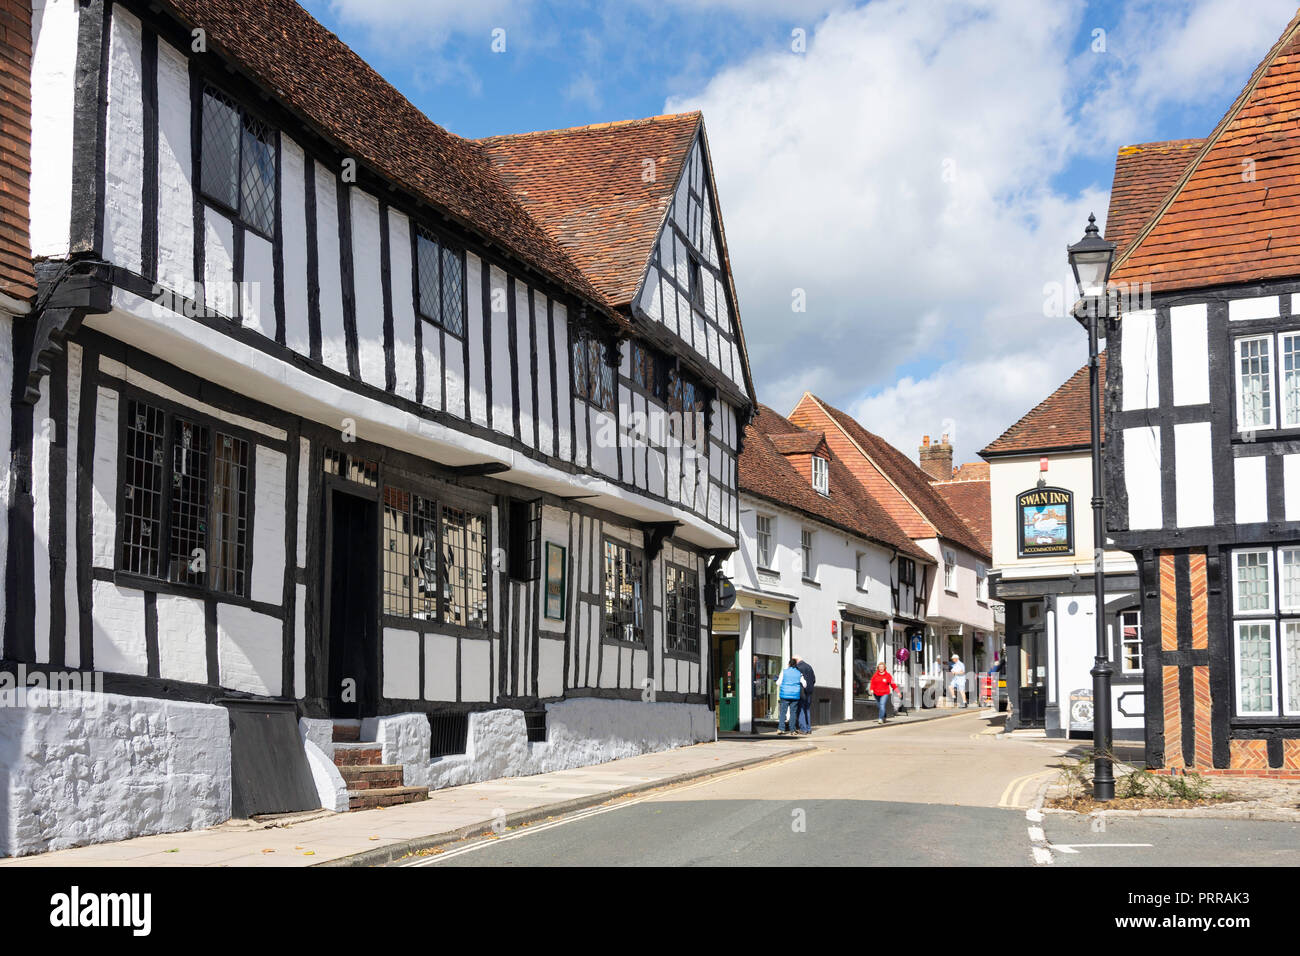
(958, 683)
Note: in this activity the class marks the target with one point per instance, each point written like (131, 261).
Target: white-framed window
(821, 475)
(806, 545)
(860, 570)
(763, 540)
(1266, 379)
(1130, 641)
(1266, 631)
(981, 581)
(949, 570)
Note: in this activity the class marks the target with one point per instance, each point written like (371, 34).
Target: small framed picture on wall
(555, 581)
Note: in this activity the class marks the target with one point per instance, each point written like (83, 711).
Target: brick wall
(16, 278)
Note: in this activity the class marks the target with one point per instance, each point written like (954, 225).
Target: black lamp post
(1091, 259)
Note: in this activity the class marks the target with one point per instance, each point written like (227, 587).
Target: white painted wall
(249, 650)
(90, 768)
(54, 75)
(816, 604)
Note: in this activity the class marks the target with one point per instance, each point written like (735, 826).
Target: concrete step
(357, 753)
(347, 733)
(372, 776)
(385, 797)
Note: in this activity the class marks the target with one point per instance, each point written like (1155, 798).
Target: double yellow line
(1014, 795)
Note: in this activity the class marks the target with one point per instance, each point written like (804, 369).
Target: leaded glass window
(189, 510)
(465, 568)
(143, 458)
(1254, 585)
(1255, 382)
(682, 600)
(440, 277)
(227, 559)
(185, 502)
(624, 605)
(1291, 668)
(237, 161)
(593, 377)
(1255, 672)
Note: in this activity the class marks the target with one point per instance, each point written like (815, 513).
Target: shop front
(751, 648)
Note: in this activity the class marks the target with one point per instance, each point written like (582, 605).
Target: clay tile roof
(911, 480)
(971, 471)
(1144, 174)
(798, 443)
(972, 501)
(1233, 215)
(17, 280)
(1058, 422)
(314, 74)
(766, 473)
(587, 187)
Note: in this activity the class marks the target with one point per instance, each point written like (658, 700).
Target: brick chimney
(936, 459)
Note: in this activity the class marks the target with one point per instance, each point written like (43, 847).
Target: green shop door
(725, 662)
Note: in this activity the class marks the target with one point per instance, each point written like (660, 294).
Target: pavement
(368, 837)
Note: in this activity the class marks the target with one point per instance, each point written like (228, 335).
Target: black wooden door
(353, 602)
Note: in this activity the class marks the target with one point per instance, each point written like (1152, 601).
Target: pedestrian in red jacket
(882, 685)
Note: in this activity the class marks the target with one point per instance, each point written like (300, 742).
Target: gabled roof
(281, 47)
(765, 473)
(972, 501)
(1060, 421)
(587, 186)
(1144, 174)
(971, 471)
(912, 484)
(1233, 215)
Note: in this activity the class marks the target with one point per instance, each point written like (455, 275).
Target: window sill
(690, 657)
(619, 642)
(812, 582)
(431, 625)
(771, 571)
(140, 582)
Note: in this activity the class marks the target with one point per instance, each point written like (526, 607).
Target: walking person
(882, 685)
(958, 683)
(792, 681)
(805, 702)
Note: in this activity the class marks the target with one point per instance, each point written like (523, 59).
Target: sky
(911, 170)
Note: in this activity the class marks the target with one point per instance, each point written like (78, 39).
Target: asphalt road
(941, 793)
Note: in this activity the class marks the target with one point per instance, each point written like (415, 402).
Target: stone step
(385, 797)
(347, 733)
(372, 776)
(353, 754)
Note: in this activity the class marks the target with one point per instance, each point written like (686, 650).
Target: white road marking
(1072, 847)
(1042, 856)
(1036, 835)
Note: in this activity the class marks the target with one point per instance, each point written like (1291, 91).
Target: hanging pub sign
(1045, 522)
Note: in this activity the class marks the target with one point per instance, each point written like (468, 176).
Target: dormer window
(821, 475)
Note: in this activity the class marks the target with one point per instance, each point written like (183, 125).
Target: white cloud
(901, 173)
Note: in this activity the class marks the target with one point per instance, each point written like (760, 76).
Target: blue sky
(916, 168)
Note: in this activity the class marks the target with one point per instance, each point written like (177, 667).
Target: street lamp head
(1091, 259)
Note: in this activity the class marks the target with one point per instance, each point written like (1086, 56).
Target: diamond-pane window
(427, 255)
(453, 298)
(238, 161)
(257, 175)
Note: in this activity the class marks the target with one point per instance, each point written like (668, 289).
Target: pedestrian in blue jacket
(792, 684)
